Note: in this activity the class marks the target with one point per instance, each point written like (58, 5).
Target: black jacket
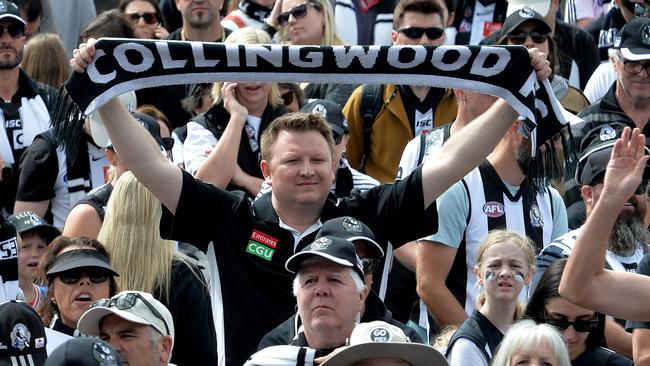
(575, 44)
(375, 309)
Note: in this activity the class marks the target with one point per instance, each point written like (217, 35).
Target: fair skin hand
(328, 303)
(132, 342)
(459, 155)
(585, 282)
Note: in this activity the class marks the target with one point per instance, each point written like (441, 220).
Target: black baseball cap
(337, 250)
(84, 351)
(30, 221)
(351, 229)
(11, 11)
(80, 258)
(332, 113)
(596, 150)
(634, 39)
(22, 335)
(525, 14)
(149, 123)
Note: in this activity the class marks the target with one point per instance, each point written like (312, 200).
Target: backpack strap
(471, 330)
(371, 102)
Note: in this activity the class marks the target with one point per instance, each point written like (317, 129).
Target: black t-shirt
(251, 248)
(601, 356)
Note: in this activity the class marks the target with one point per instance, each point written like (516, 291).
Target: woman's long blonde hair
(45, 60)
(131, 234)
(495, 237)
(330, 34)
(249, 35)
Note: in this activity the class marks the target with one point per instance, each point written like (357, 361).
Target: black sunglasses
(417, 32)
(519, 38)
(578, 325)
(15, 30)
(298, 11)
(149, 18)
(127, 301)
(73, 276)
(167, 143)
(370, 265)
(287, 97)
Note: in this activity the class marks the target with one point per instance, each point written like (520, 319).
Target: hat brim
(541, 7)
(599, 149)
(15, 17)
(636, 54)
(414, 353)
(379, 252)
(294, 262)
(50, 232)
(539, 23)
(84, 262)
(89, 321)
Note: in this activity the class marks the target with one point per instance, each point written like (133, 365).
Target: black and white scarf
(123, 65)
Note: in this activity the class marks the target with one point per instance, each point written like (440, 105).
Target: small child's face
(31, 248)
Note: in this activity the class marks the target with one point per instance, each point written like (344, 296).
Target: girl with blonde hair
(150, 264)
(504, 266)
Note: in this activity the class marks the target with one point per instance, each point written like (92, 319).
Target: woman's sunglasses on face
(298, 11)
(149, 18)
(578, 325)
(73, 276)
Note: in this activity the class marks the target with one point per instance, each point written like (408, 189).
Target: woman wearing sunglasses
(144, 17)
(78, 273)
(528, 28)
(310, 22)
(583, 329)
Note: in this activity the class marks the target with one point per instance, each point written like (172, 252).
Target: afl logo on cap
(320, 109)
(493, 209)
(526, 13)
(350, 224)
(321, 244)
(645, 34)
(607, 132)
(380, 334)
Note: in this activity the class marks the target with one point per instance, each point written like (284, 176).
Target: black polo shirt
(251, 247)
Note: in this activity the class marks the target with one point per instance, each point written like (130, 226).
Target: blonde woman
(310, 22)
(150, 264)
(45, 60)
(503, 268)
(241, 112)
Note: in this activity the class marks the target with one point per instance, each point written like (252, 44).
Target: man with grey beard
(629, 239)
(24, 105)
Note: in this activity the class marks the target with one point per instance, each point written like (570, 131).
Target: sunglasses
(298, 12)
(149, 18)
(72, 277)
(519, 38)
(578, 325)
(417, 32)
(15, 30)
(167, 143)
(370, 265)
(287, 97)
(127, 301)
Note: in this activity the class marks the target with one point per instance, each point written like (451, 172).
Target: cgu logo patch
(493, 209)
(261, 245)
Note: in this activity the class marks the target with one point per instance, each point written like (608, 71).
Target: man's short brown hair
(418, 6)
(294, 122)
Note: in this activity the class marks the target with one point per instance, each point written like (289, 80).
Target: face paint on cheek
(519, 277)
(490, 275)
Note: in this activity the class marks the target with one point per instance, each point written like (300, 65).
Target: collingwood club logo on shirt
(536, 218)
(261, 245)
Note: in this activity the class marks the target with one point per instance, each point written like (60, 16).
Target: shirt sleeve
(560, 222)
(198, 140)
(39, 168)
(453, 210)
(643, 269)
(465, 353)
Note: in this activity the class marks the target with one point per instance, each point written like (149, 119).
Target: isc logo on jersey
(493, 209)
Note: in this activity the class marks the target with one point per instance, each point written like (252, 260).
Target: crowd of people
(273, 223)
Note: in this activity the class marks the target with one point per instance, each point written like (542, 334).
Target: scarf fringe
(67, 124)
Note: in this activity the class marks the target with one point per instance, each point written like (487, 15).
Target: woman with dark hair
(110, 23)
(583, 329)
(145, 18)
(78, 273)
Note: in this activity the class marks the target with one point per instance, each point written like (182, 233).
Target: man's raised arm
(465, 151)
(585, 282)
(133, 143)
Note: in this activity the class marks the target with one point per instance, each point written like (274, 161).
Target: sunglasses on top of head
(417, 32)
(519, 37)
(149, 18)
(127, 301)
(298, 11)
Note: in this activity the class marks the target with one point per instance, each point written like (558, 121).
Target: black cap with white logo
(22, 335)
(337, 250)
(634, 40)
(85, 351)
(332, 113)
(351, 229)
(10, 10)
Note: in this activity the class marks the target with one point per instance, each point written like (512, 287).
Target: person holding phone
(144, 16)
